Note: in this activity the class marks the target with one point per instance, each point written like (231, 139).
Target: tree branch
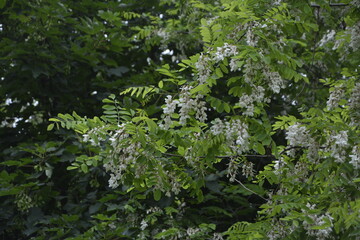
(330, 4)
(225, 156)
(246, 188)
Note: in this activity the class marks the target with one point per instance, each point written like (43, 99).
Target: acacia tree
(67, 56)
(255, 136)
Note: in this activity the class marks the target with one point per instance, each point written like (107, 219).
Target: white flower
(354, 104)
(121, 156)
(251, 40)
(186, 104)
(297, 135)
(248, 169)
(276, 83)
(355, 36)
(192, 231)
(234, 65)
(217, 127)
(278, 165)
(143, 224)
(355, 157)
(225, 51)
(341, 139)
(335, 97)
(329, 36)
(247, 101)
(170, 105)
(235, 132)
(318, 220)
(203, 68)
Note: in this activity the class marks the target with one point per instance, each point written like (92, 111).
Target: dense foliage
(220, 119)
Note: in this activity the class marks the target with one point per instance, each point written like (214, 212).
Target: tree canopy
(180, 119)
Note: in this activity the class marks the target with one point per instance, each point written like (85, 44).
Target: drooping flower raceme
(124, 153)
(355, 36)
(247, 101)
(203, 68)
(251, 39)
(335, 97)
(297, 135)
(168, 110)
(225, 51)
(355, 157)
(354, 105)
(317, 220)
(338, 144)
(276, 83)
(236, 134)
(186, 104)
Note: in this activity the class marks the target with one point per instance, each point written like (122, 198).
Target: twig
(330, 4)
(246, 188)
(225, 156)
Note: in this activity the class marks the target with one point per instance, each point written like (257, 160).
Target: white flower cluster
(354, 104)
(355, 3)
(203, 68)
(250, 70)
(121, 156)
(335, 97)
(298, 135)
(355, 157)
(318, 220)
(278, 231)
(232, 169)
(168, 182)
(234, 65)
(154, 210)
(95, 136)
(338, 144)
(251, 39)
(247, 101)
(235, 132)
(144, 224)
(278, 165)
(187, 104)
(192, 231)
(301, 171)
(248, 169)
(225, 51)
(276, 83)
(355, 37)
(175, 185)
(217, 236)
(329, 36)
(168, 110)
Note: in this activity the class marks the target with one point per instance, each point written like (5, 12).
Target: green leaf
(168, 233)
(157, 194)
(84, 168)
(9, 191)
(219, 72)
(203, 88)
(72, 167)
(50, 127)
(2, 3)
